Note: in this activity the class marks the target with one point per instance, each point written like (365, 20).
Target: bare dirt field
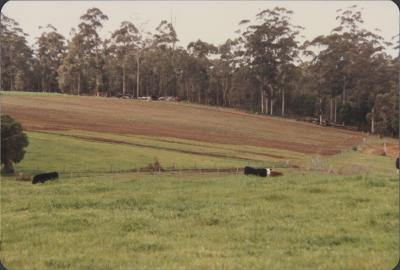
(176, 120)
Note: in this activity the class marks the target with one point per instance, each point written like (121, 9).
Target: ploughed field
(175, 120)
(336, 207)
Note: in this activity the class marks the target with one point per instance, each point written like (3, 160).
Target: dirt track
(184, 121)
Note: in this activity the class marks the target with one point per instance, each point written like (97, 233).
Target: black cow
(263, 172)
(41, 178)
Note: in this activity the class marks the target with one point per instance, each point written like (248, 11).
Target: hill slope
(176, 120)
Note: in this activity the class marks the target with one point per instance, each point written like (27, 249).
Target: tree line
(346, 76)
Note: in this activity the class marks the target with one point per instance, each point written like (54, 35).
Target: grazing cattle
(41, 178)
(253, 171)
(263, 172)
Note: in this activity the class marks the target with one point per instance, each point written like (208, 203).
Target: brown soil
(163, 119)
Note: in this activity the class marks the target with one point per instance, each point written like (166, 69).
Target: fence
(86, 171)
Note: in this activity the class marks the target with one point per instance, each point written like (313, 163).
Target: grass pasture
(213, 221)
(336, 209)
(78, 151)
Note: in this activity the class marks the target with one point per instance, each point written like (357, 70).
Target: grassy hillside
(78, 151)
(336, 209)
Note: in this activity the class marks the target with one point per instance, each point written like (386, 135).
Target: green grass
(307, 219)
(242, 151)
(48, 151)
(212, 221)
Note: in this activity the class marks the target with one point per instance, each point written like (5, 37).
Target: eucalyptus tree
(50, 52)
(112, 70)
(224, 68)
(72, 71)
(125, 39)
(143, 43)
(16, 56)
(200, 74)
(91, 23)
(270, 46)
(165, 35)
(163, 47)
(348, 66)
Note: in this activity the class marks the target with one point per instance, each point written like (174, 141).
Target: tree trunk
(283, 102)
(344, 90)
(224, 89)
(97, 84)
(217, 97)
(272, 106)
(373, 121)
(147, 87)
(187, 91)
(109, 88)
(79, 83)
(123, 78)
(97, 73)
(335, 118)
(11, 82)
(8, 167)
(137, 75)
(262, 101)
(320, 110)
(43, 83)
(331, 110)
(271, 100)
(199, 97)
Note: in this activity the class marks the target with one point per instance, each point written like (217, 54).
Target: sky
(210, 21)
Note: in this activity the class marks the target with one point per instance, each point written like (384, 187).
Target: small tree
(13, 142)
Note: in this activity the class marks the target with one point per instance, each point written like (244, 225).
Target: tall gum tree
(164, 41)
(270, 45)
(125, 39)
(92, 22)
(50, 52)
(16, 56)
(72, 70)
(349, 63)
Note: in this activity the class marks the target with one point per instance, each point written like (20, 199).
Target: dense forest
(346, 76)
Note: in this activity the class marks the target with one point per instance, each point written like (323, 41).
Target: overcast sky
(211, 21)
